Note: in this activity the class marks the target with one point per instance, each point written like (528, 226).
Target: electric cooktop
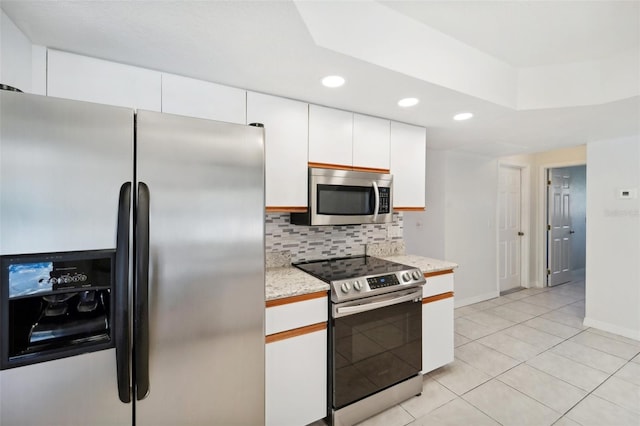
(361, 276)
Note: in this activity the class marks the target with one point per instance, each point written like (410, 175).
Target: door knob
(572, 232)
(520, 233)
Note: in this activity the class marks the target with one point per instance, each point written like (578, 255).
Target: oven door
(376, 343)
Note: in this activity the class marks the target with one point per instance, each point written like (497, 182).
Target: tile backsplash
(287, 243)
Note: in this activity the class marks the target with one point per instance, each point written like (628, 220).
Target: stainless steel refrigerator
(132, 282)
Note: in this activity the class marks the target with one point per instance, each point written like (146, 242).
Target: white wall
(613, 237)
(15, 55)
(459, 223)
(470, 228)
(22, 65)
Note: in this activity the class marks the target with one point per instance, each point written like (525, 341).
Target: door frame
(525, 221)
(543, 210)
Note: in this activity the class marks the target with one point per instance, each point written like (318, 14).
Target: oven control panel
(382, 281)
(356, 288)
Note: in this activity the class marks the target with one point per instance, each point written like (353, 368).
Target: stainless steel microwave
(344, 197)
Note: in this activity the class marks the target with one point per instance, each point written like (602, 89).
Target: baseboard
(612, 328)
(475, 299)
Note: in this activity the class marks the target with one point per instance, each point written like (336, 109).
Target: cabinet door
(94, 80)
(370, 142)
(330, 136)
(286, 126)
(296, 380)
(437, 334)
(202, 99)
(408, 158)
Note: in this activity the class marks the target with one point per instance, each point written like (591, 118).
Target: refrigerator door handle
(141, 320)
(121, 320)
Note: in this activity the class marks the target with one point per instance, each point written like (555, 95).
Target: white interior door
(558, 226)
(509, 233)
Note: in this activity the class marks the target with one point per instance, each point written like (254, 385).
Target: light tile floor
(526, 359)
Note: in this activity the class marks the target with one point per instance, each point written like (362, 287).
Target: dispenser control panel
(29, 275)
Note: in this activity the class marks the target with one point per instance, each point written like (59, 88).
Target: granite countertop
(290, 281)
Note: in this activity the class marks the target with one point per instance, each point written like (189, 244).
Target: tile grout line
(596, 388)
(565, 339)
(561, 415)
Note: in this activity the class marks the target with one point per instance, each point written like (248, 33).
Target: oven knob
(406, 277)
(357, 285)
(345, 287)
(415, 275)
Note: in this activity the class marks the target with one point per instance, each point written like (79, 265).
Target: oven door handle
(414, 296)
(376, 209)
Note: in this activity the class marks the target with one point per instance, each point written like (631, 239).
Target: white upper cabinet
(202, 99)
(408, 158)
(370, 142)
(286, 125)
(94, 80)
(330, 136)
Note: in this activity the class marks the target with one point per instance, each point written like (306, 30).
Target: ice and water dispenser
(55, 305)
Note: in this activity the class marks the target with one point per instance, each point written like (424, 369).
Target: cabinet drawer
(289, 316)
(437, 284)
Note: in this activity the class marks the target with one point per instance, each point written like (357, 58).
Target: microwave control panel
(385, 205)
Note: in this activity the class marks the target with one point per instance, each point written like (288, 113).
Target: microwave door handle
(376, 192)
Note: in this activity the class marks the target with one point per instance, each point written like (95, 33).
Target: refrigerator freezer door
(205, 183)
(61, 167)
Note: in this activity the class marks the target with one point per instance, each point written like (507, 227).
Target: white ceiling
(275, 47)
(533, 33)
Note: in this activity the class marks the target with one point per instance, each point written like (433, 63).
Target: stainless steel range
(375, 334)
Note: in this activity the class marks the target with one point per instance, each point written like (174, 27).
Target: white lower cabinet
(296, 361)
(437, 334)
(437, 322)
(296, 380)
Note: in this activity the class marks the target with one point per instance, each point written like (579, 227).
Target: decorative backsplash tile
(319, 242)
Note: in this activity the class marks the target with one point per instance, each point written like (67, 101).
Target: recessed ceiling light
(408, 102)
(462, 116)
(333, 81)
